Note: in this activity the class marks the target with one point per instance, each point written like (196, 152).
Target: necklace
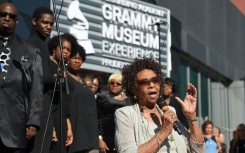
(146, 127)
(154, 118)
(76, 77)
(148, 109)
(120, 95)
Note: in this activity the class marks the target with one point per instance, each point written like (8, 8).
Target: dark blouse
(106, 109)
(44, 135)
(60, 98)
(179, 112)
(238, 147)
(39, 42)
(83, 118)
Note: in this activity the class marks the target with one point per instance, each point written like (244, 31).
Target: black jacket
(39, 42)
(83, 118)
(20, 93)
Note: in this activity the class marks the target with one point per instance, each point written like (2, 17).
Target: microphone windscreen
(162, 104)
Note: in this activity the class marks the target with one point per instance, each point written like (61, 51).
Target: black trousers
(86, 151)
(5, 149)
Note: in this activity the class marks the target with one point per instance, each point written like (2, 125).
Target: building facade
(206, 41)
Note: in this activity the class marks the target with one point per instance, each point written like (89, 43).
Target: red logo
(240, 4)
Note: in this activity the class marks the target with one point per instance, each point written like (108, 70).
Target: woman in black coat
(107, 104)
(62, 133)
(82, 108)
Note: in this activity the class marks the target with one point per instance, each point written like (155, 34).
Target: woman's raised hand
(190, 102)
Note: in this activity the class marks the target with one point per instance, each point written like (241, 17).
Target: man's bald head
(7, 4)
(8, 18)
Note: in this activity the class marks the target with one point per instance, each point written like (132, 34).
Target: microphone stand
(160, 101)
(158, 24)
(159, 42)
(62, 71)
(62, 79)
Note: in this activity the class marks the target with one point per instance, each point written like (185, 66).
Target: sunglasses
(12, 16)
(146, 81)
(115, 83)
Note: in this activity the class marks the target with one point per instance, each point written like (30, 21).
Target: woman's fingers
(169, 117)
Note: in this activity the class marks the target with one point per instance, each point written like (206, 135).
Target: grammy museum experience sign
(115, 32)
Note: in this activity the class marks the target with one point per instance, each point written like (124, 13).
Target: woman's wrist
(192, 120)
(191, 117)
(166, 130)
(159, 141)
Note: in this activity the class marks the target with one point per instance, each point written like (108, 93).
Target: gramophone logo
(80, 29)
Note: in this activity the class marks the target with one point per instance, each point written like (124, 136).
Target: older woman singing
(143, 127)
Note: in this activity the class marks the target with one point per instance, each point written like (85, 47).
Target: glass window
(183, 78)
(204, 95)
(194, 81)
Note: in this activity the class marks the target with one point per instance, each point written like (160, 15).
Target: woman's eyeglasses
(115, 83)
(147, 81)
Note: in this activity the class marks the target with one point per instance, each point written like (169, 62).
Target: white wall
(228, 106)
(236, 96)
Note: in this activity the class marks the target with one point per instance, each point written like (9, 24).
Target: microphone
(157, 23)
(164, 106)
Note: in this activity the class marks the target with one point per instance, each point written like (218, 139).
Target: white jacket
(131, 132)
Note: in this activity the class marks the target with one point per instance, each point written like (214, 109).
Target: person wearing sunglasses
(21, 91)
(143, 126)
(107, 104)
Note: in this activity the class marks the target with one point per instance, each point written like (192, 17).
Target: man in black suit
(20, 85)
(42, 22)
(42, 26)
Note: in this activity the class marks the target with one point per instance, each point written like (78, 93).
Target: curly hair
(78, 49)
(54, 42)
(129, 72)
(172, 83)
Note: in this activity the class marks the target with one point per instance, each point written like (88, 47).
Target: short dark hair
(40, 11)
(79, 50)
(172, 83)
(129, 72)
(54, 42)
(205, 124)
(95, 76)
